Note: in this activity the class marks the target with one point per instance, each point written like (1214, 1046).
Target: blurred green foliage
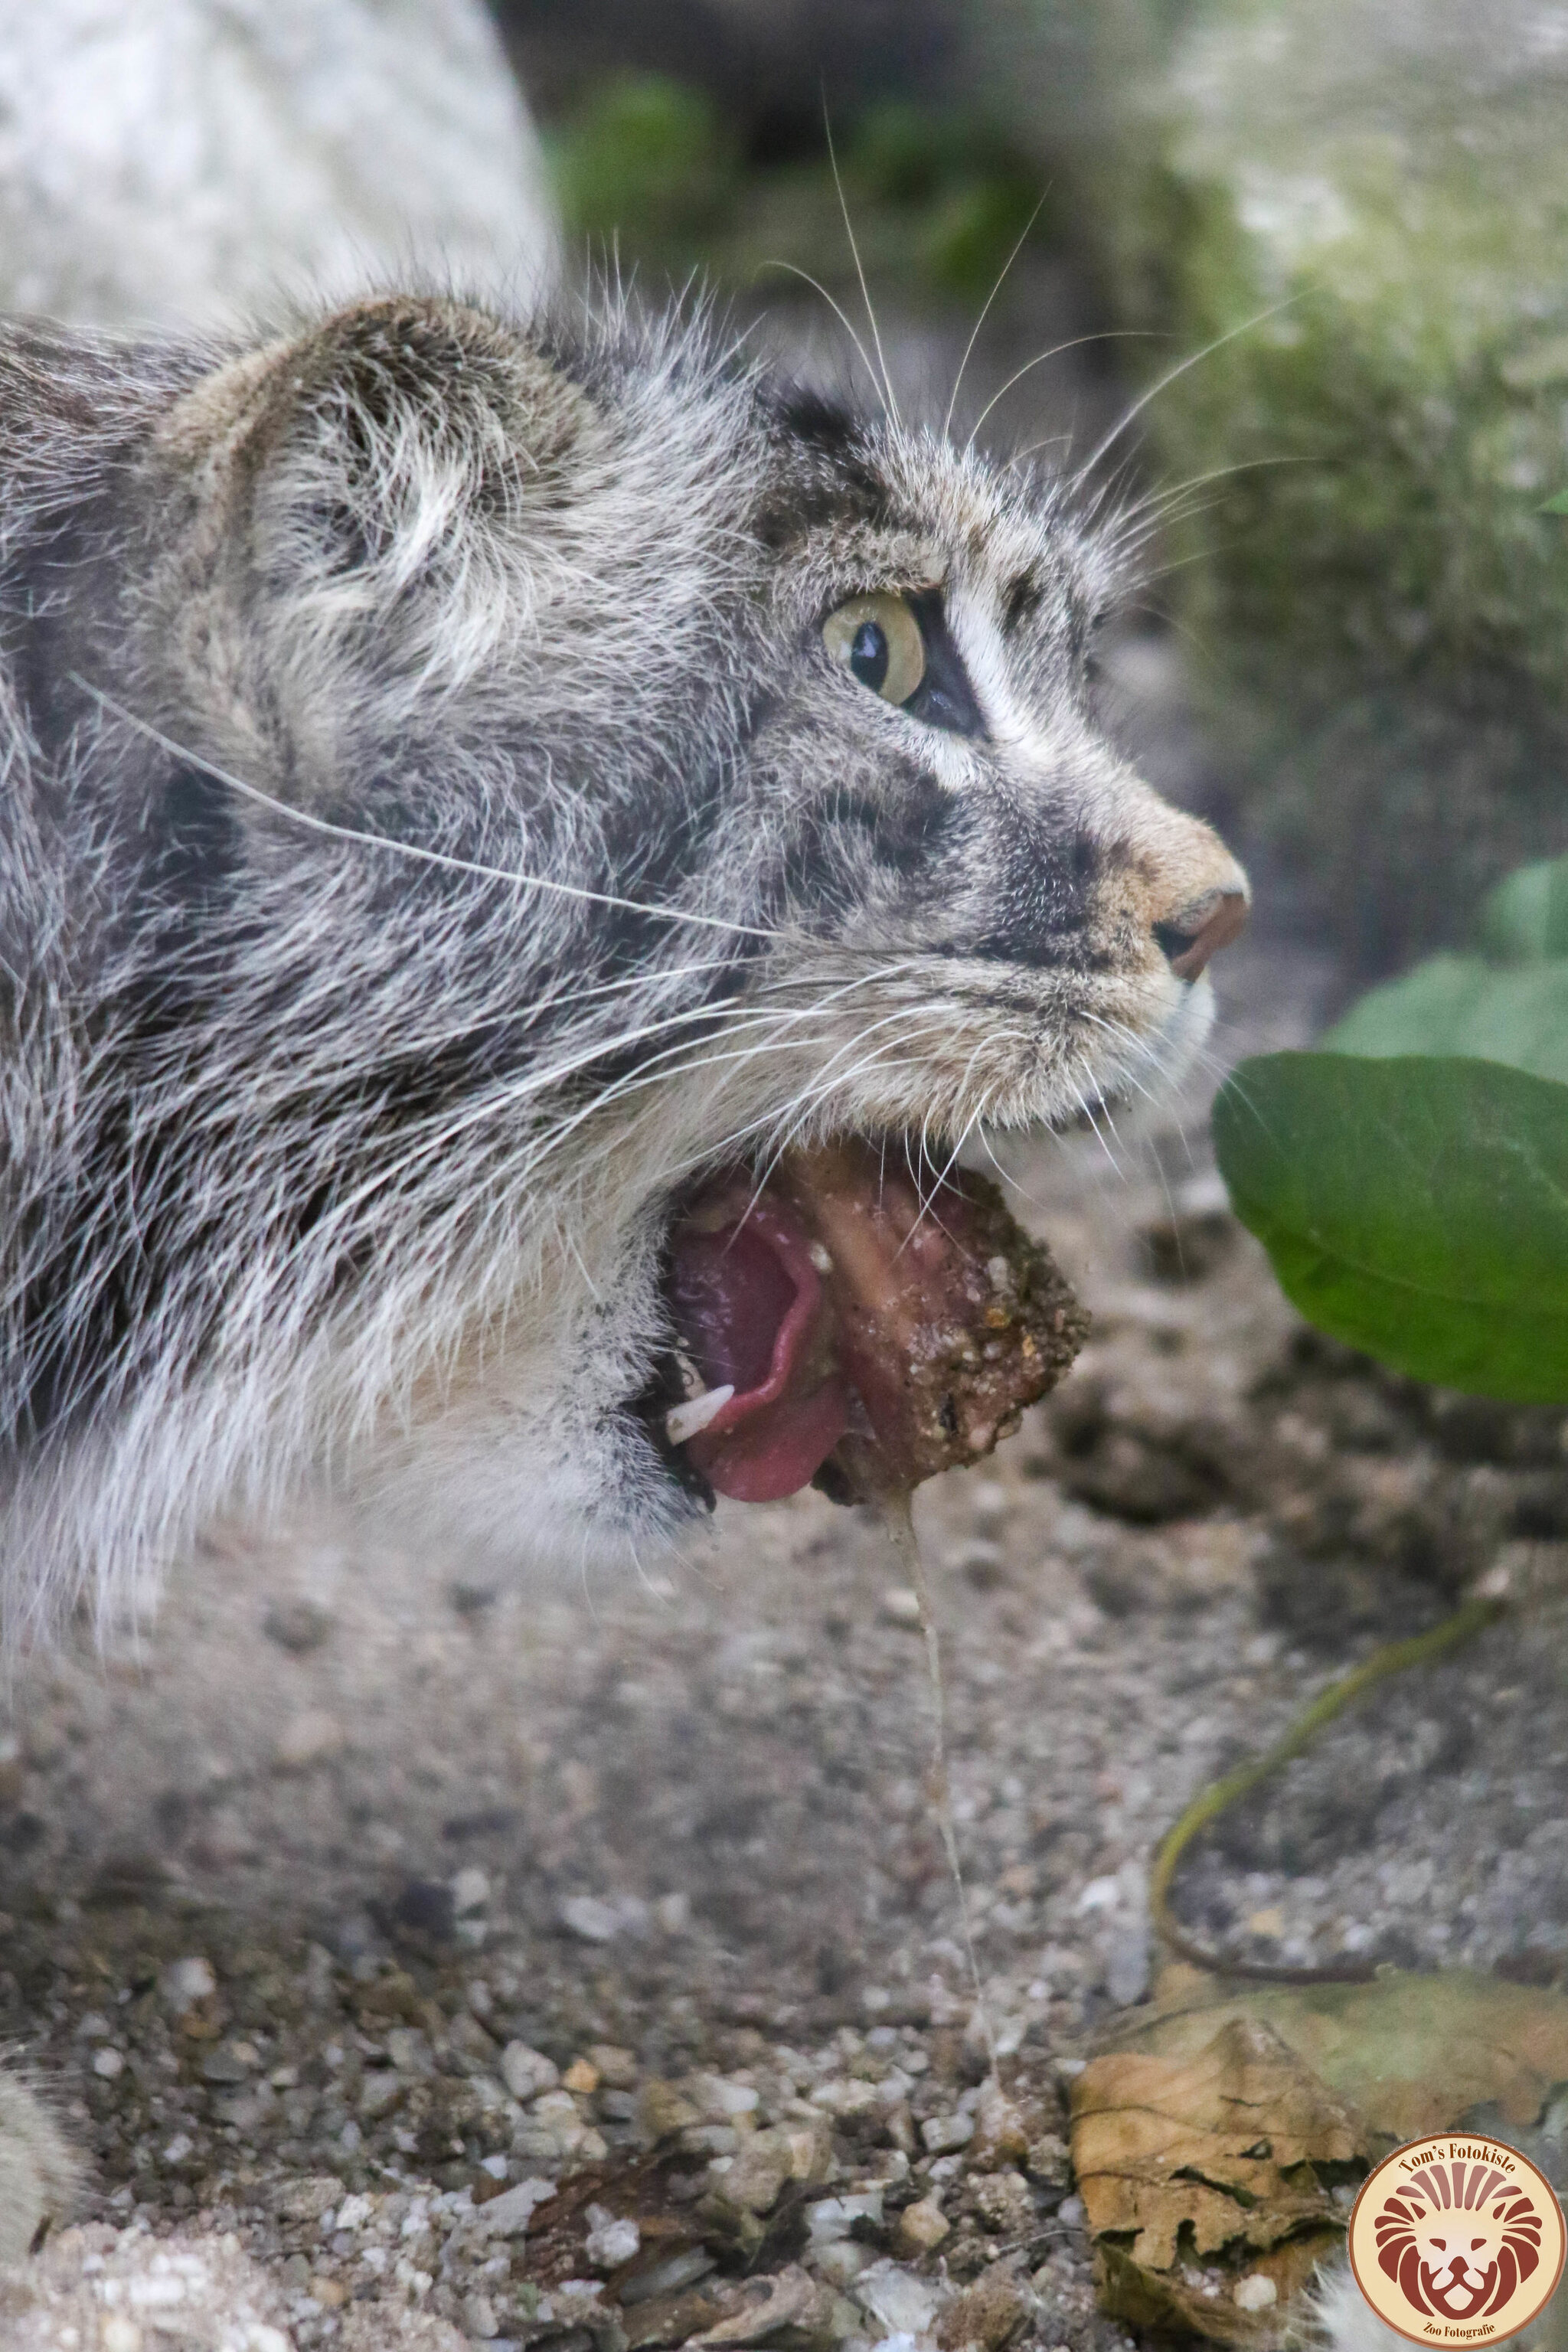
(1507, 1004)
(645, 163)
(1525, 919)
(1415, 1206)
(938, 198)
(1410, 1181)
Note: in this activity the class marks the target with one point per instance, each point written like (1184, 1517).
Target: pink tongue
(749, 1306)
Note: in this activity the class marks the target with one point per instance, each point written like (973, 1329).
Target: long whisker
(664, 1063)
(652, 1074)
(985, 310)
(1142, 1049)
(798, 1111)
(1104, 1102)
(837, 308)
(1158, 500)
(1111, 335)
(1171, 375)
(405, 848)
(1029, 448)
(985, 1045)
(1009, 1181)
(1083, 1105)
(860, 274)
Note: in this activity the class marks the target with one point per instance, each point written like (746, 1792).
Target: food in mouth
(860, 1319)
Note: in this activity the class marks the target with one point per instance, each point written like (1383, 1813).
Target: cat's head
(746, 751)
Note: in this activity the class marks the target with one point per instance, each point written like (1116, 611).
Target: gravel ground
(578, 1965)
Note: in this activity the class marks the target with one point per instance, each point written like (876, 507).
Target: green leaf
(1414, 1207)
(1457, 1004)
(1525, 919)
(1556, 504)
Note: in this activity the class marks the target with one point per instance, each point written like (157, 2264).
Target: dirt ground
(355, 1891)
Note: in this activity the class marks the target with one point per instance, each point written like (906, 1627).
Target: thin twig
(1393, 1658)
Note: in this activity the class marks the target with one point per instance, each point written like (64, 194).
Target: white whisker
(409, 849)
(1112, 335)
(986, 312)
(1171, 375)
(837, 308)
(860, 274)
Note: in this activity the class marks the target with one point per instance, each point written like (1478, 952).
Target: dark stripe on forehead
(817, 420)
(826, 472)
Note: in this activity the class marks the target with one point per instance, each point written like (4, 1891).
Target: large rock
(1371, 203)
(183, 160)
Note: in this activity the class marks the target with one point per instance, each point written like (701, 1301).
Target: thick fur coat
(435, 832)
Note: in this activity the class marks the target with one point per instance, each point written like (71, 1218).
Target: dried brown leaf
(1201, 2171)
(1412, 2054)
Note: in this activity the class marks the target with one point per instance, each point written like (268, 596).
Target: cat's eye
(879, 642)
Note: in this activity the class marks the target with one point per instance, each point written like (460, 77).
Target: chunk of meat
(874, 1323)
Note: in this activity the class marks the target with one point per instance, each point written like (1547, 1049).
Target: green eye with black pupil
(878, 640)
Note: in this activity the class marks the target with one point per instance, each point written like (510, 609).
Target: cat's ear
(368, 498)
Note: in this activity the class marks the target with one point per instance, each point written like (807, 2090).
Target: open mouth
(858, 1318)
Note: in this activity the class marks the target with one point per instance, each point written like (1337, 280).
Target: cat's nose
(1197, 933)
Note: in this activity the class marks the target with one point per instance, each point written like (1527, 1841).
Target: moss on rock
(1365, 212)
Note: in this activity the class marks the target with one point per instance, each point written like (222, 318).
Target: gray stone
(1127, 1965)
(789, 2300)
(596, 1921)
(941, 2134)
(526, 2072)
(509, 2214)
(899, 2303)
(611, 2240)
(186, 160)
(312, 1737)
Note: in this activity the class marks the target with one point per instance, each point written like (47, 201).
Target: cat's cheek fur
(527, 1451)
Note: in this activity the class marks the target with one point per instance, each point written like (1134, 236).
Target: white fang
(684, 1421)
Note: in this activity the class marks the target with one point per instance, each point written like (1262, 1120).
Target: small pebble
(470, 1891)
(943, 2133)
(610, 2242)
(617, 2067)
(186, 1983)
(297, 1626)
(527, 2071)
(923, 2226)
(596, 1921)
(989, 2315)
(511, 2214)
(311, 1738)
(982, 1562)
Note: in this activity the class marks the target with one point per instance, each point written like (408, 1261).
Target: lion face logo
(1458, 2239)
